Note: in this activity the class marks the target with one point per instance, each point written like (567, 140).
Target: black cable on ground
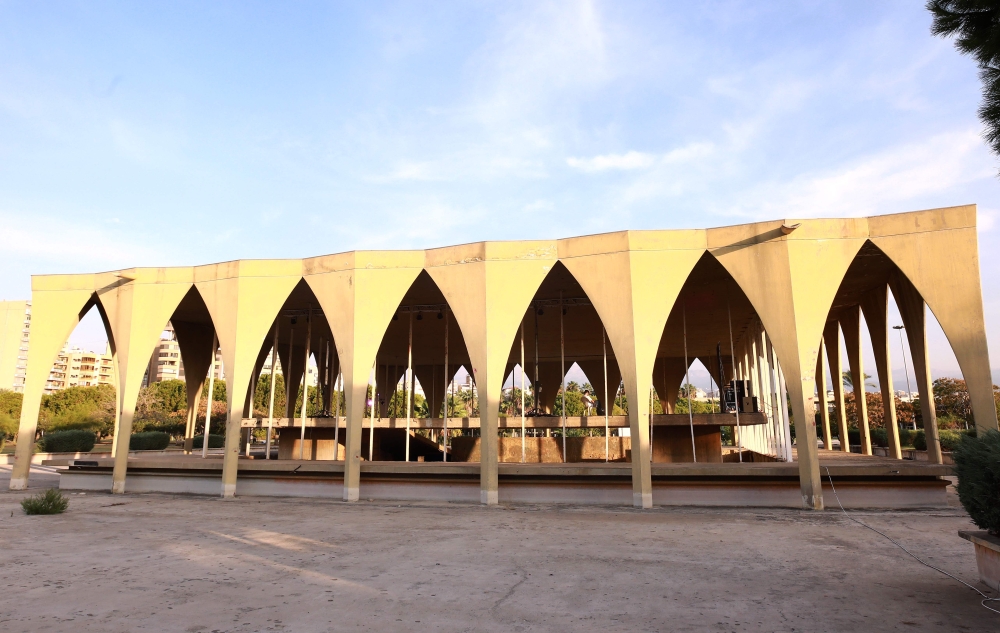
(897, 544)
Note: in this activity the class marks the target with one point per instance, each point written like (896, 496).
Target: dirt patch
(181, 563)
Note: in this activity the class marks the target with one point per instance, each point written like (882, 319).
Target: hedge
(76, 441)
(214, 441)
(148, 441)
(976, 462)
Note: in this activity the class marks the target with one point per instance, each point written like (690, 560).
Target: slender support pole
(211, 390)
(305, 386)
(337, 384)
(732, 353)
(687, 381)
(775, 384)
(562, 365)
(607, 439)
(651, 423)
(821, 406)
(407, 388)
(906, 371)
(371, 418)
(447, 384)
(270, 403)
(287, 374)
(522, 394)
(785, 418)
(324, 382)
(534, 385)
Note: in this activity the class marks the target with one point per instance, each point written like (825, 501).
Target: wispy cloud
(626, 161)
(875, 183)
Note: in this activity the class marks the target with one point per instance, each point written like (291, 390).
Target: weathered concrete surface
(182, 563)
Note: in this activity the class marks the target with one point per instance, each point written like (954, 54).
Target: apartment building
(75, 367)
(15, 321)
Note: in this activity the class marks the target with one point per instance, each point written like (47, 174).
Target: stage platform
(861, 481)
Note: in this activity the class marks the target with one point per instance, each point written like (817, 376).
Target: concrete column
(821, 389)
(875, 306)
(53, 317)
(911, 308)
(831, 336)
(850, 323)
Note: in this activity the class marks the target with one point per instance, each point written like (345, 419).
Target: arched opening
(878, 323)
(715, 337)
(81, 389)
(294, 407)
(188, 339)
(420, 366)
(562, 422)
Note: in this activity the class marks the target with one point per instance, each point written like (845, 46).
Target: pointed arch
(937, 253)
(243, 298)
(424, 309)
(54, 315)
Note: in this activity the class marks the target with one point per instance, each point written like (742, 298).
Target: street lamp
(906, 370)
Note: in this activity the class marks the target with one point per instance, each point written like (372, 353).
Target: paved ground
(175, 563)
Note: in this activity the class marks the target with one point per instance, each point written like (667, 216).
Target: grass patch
(49, 502)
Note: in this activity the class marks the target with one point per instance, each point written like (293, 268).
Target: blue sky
(142, 134)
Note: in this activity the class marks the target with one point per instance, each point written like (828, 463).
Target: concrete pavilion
(760, 304)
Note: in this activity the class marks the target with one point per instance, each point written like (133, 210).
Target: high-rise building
(75, 367)
(15, 320)
(166, 362)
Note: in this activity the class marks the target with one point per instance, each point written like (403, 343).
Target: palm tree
(975, 24)
(849, 381)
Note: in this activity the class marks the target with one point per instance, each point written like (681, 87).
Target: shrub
(214, 441)
(920, 440)
(8, 425)
(149, 441)
(880, 437)
(977, 464)
(906, 437)
(949, 439)
(853, 437)
(77, 441)
(49, 502)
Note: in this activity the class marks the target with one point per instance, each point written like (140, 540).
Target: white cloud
(634, 160)
(876, 183)
(626, 161)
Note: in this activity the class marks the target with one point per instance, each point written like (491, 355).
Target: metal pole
(773, 376)
(607, 439)
(906, 370)
(562, 365)
(406, 385)
(534, 385)
(371, 419)
(287, 375)
(732, 355)
(305, 386)
(270, 403)
(336, 413)
(651, 424)
(687, 386)
(522, 393)
(211, 390)
(447, 383)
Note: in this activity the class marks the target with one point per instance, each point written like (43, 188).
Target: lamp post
(906, 370)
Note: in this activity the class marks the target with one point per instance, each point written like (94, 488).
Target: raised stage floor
(861, 481)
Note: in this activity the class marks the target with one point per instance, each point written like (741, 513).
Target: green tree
(262, 395)
(849, 380)
(10, 403)
(79, 408)
(976, 26)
